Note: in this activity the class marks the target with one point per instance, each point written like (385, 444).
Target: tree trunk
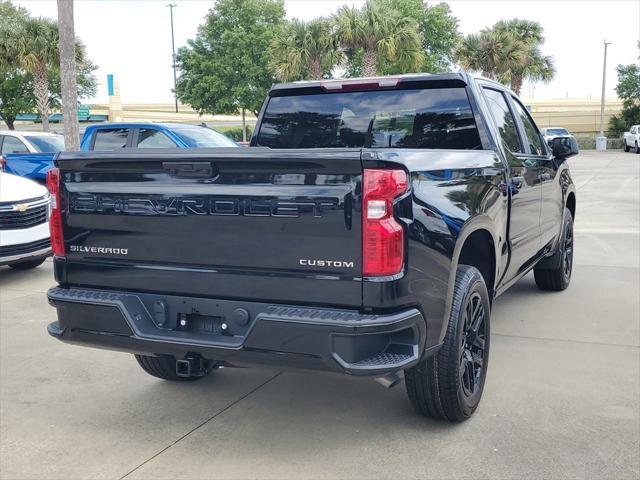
(369, 63)
(9, 119)
(41, 92)
(315, 70)
(67, 46)
(516, 84)
(244, 126)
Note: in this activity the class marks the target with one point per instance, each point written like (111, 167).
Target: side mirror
(564, 147)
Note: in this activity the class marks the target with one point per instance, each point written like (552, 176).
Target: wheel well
(479, 251)
(571, 204)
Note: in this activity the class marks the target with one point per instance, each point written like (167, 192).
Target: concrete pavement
(562, 397)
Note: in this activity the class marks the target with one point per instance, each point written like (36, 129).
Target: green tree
(381, 36)
(628, 90)
(21, 63)
(32, 46)
(438, 30)
(16, 95)
(225, 68)
(508, 52)
(489, 52)
(534, 66)
(16, 90)
(304, 50)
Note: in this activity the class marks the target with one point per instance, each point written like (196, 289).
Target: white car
(631, 139)
(549, 133)
(25, 207)
(13, 141)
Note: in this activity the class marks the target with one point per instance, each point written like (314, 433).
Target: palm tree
(534, 65)
(490, 52)
(304, 50)
(382, 35)
(508, 52)
(33, 46)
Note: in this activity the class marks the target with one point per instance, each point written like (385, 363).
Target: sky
(132, 38)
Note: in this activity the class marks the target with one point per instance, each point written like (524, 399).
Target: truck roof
(414, 77)
(373, 83)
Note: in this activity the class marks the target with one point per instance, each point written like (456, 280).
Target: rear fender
(473, 224)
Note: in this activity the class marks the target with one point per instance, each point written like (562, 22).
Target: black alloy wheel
(567, 255)
(472, 346)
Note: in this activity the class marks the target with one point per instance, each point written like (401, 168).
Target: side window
(111, 139)
(533, 137)
(13, 145)
(503, 118)
(150, 138)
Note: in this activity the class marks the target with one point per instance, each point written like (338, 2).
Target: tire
(637, 147)
(28, 264)
(441, 386)
(557, 279)
(626, 147)
(164, 367)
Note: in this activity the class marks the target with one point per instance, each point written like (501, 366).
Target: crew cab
(366, 231)
(29, 154)
(114, 136)
(631, 139)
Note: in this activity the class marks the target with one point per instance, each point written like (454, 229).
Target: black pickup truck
(367, 231)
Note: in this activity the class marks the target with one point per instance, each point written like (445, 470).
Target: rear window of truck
(438, 118)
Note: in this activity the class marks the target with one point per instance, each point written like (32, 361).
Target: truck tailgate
(256, 224)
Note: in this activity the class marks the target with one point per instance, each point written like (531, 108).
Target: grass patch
(234, 133)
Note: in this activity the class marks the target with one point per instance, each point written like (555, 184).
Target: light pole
(173, 56)
(601, 141)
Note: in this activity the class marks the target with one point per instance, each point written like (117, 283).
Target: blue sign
(110, 84)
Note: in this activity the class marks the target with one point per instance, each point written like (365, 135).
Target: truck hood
(13, 188)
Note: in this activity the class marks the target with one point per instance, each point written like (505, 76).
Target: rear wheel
(28, 264)
(637, 147)
(558, 278)
(449, 384)
(626, 147)
(165, 367)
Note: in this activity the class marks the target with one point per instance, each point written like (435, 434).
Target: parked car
(113, 136)
(367, 231)
(24, 227)
(29, 154)
(549, 133)
(631, 139)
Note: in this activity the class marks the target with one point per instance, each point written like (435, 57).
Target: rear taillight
(3, 162)
(55, 220)
(382, 235)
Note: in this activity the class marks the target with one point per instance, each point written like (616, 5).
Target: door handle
(190, 169)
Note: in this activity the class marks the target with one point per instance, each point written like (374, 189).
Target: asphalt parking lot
(562, 398)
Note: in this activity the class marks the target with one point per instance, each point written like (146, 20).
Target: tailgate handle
(190, 169)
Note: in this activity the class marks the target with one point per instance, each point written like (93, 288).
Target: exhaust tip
(390, 380)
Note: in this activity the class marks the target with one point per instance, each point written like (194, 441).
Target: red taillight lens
(3, 162)
(382, 235)
(55, 220)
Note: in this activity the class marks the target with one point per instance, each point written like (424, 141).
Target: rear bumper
(239, 333)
